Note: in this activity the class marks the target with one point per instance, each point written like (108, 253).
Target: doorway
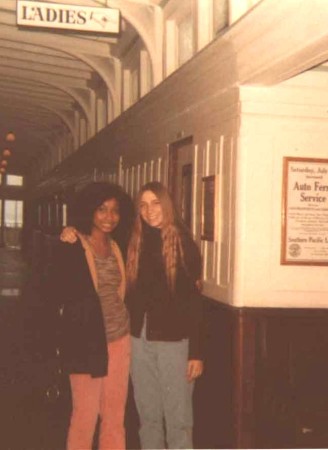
(11, 222)
(180, 183)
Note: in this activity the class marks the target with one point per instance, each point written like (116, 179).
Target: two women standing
(163, 267)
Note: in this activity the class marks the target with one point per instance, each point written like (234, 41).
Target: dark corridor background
(34, 395)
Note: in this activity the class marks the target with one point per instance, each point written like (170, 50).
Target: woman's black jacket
(169, 317)
(69, 285)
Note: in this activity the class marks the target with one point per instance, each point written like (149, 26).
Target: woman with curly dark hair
(89, 279)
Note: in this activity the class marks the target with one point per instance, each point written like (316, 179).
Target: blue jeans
(162, 393)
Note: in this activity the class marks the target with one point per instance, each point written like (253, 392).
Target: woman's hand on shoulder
(69, 234)
(195, 369)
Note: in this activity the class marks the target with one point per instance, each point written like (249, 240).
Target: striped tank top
(115, 314)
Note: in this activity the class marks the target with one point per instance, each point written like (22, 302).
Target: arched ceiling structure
(47, 75)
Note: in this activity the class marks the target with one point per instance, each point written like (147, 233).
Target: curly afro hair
(90, 197)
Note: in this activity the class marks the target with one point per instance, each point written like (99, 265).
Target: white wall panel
(138, 175)
(276, 122)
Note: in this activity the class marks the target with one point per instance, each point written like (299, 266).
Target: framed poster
(305, 212)
(208, 208)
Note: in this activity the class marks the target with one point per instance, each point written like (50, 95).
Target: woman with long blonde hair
(163, 270)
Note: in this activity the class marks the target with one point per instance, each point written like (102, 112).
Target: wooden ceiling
(45, 75)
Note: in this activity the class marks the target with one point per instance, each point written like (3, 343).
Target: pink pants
(105, 396)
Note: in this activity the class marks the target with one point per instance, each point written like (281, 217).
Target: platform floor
(30, 419)
(25, 418)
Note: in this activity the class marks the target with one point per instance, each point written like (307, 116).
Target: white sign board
(68, 17)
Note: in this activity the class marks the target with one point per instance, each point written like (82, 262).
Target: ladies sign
(68, 17)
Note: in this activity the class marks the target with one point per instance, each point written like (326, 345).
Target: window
(186, 194)
(14, 180)
(185, 40)
(64, 224)
(39, 215)
(13, 213)
(179, 33)
(134, 86)
(145, 73)
(220, 15)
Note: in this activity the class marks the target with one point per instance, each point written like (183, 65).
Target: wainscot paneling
(265, 383)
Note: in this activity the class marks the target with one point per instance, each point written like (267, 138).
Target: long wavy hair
(171, 232)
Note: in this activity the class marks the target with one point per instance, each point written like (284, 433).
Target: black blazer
(169, 317)
(69, 285)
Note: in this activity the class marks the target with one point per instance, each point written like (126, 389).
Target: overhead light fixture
(6, 153)
(10, 137)
(2, 170)
(3, 163)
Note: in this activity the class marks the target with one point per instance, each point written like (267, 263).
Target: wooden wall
(265, 383)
